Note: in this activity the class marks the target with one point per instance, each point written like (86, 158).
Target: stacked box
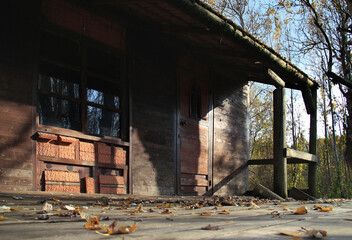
(112, 184)
(62, 181)
(86, 152)
(119, 156)
(90, 184)
(104, 153)
(67, 151)
(46, 148)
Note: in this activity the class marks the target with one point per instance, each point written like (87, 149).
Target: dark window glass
(60, 49)
(103, 93)
(59, 113)
(58, 80)
(103, 63)
(196, 102)
(103, 122)
(61, 76)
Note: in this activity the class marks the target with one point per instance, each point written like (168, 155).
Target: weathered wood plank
(275, 78)
(312, 167)
(280, 161)
(303, 156)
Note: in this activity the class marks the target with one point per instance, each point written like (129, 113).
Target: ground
(22, 217)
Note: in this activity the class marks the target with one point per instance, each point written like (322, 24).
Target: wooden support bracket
(308, 99)
(302, 156)
(278, 82)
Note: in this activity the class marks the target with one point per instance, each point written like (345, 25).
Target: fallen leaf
(47, 206)
(211, 227)
(5, 209)
(285, 208)
(275, 214)
(56, 200)
(314, 233)
(253, 206)
(127, 229)
(293, 234)
(301, 210)
(111, 228)
(224, 212)
(348, 219)
(69, 207)
(169, 205)
(205, 214)
(167, 211)
(2, 218)
(93, 223)
(324, 209)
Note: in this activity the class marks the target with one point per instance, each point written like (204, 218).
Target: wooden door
(194, 161)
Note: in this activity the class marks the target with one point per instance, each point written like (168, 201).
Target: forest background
(315, 35)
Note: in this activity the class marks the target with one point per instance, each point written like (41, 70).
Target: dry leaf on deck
(205, 214)
(253, 206)
(348, 219)
(127, 229)
(111, 228)
(167, 211)
(293, 234)
(93, 223)
(211, 227)
(285, 208)
(301, 210)
(324, 209)
(224, 212)
(47, 206)
(314, 233)
(5, 209)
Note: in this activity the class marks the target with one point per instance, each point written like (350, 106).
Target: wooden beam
(312, 167)
(280, 161)
(278, 82)
(308, 99)
(305, 157)
(298, 194)
(263, 192)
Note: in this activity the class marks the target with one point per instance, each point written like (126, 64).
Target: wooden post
(312, 167)
(280, 161)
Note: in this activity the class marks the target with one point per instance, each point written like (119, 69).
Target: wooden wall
(152, 76)
(230, 174)
(16, 85)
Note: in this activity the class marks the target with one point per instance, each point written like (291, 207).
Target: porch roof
(200, 29)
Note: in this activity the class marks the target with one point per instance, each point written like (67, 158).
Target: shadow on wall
(230, 136)
(153, 85)
(153, 77)
(16, 77)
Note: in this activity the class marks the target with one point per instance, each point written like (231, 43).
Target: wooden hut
(134, 97)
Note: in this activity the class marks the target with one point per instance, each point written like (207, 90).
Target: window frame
(122, 94)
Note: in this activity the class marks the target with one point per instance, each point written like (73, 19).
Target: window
(196, 101)
(79, 86)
